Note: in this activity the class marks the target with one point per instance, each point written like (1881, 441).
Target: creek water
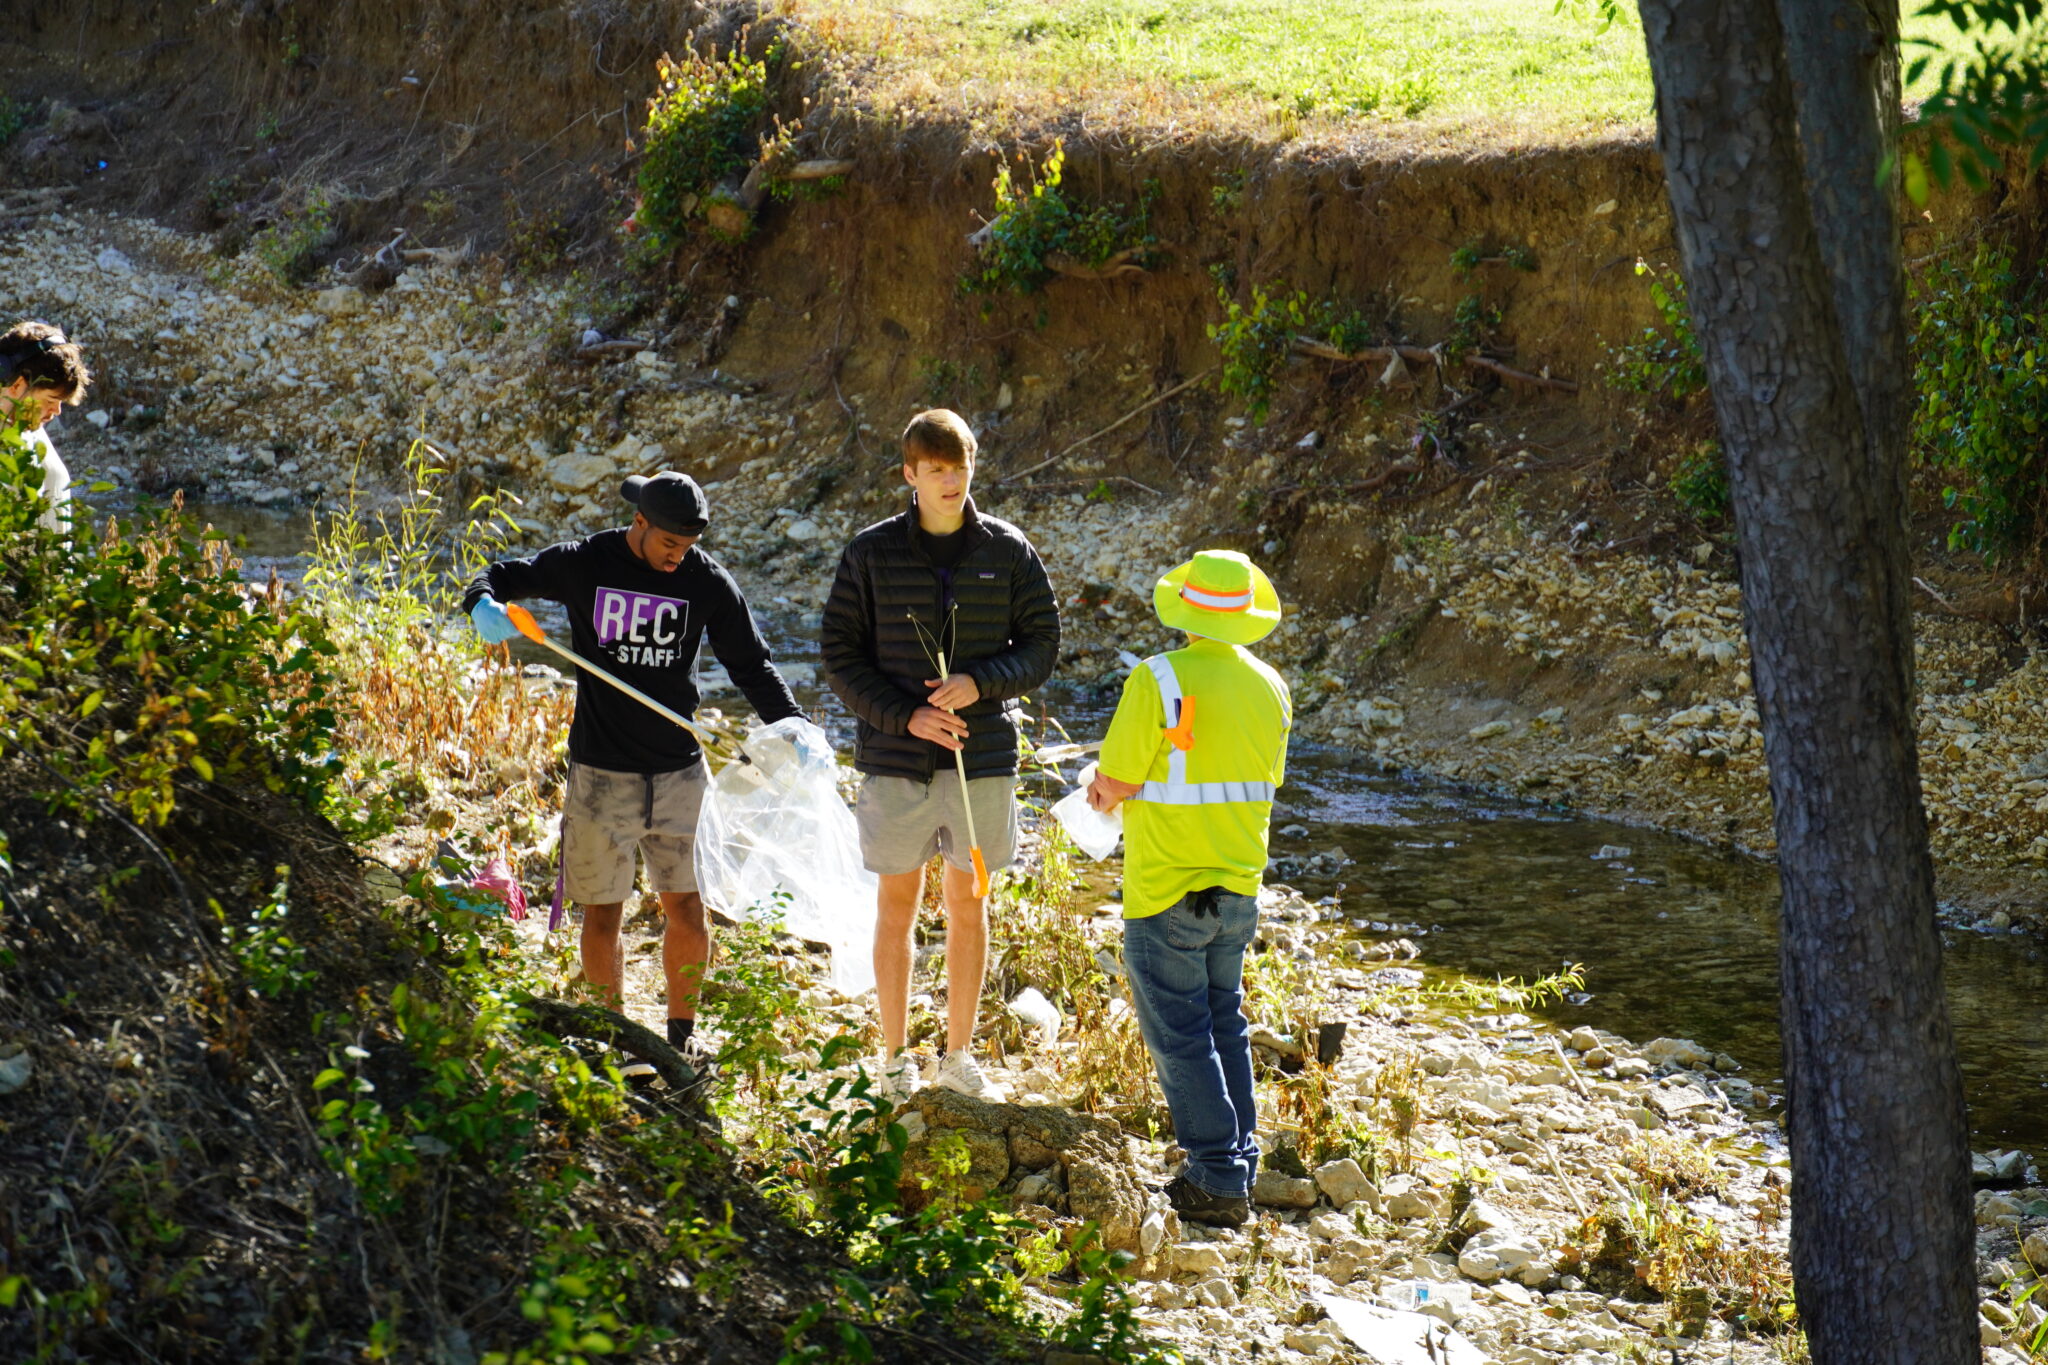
(1676, 939)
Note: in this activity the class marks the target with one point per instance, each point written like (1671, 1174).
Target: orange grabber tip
(980, 872)
(522, 620)
(1182, 733)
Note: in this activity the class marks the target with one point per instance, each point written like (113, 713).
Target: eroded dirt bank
(1521, 615)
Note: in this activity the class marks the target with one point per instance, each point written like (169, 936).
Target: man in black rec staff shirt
(640, 602)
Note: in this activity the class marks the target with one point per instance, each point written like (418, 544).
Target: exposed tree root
(1432, 356)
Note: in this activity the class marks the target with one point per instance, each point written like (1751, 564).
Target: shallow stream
(1677, 939)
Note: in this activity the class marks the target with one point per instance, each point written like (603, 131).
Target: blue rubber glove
(491, 621)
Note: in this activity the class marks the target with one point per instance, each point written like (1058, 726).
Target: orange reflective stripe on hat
(1215, 601)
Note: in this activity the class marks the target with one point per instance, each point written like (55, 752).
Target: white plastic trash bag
(777, 824)
(1094, 833)
(1039, 1015)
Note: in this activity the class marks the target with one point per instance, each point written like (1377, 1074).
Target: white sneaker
(959, 1073)
(897, 1078)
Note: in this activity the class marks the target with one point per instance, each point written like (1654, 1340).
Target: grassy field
(1498, 69)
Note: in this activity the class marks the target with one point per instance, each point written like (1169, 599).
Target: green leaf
(333, 1075)
(1915, 178)
(203, 768)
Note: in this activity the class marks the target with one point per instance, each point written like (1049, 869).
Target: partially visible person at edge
(41, 373)
(940, 577)
(640, 601)
(1196, 748)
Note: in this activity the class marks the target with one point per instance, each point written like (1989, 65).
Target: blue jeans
(1187, 982)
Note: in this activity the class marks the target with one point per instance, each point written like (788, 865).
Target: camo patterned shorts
(607, 814)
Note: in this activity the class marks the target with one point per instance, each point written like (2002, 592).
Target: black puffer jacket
(997, 621)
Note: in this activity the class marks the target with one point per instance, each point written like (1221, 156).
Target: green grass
(1497, 68)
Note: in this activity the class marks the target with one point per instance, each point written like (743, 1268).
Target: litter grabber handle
(967, 804)
(523, 620)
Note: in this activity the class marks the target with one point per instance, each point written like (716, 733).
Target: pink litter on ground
(497, 878)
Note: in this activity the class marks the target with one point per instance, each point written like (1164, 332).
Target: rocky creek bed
(1559, 1194)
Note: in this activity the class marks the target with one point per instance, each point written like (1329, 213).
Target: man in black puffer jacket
(938, 579)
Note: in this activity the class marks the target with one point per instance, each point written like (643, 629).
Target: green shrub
(1663, 361)
(272, 961)
(1701, 483)
(1981, 374)
(136, 662)
(1474, 254)
(1255, 341)
(702, 126)
(1032, 226)
(289, 246)
(13, 118)
(952, 1261)
(1472, 321)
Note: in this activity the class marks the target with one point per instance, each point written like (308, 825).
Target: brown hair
(46, 358)
(940, 435)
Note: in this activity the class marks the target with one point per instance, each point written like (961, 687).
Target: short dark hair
(938, 434)
(46, 358)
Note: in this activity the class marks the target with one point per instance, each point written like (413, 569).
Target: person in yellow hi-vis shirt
(1194, 753)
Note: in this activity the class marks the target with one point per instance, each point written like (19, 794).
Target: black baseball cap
(670, 501)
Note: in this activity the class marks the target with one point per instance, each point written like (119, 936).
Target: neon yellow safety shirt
(1202, 817)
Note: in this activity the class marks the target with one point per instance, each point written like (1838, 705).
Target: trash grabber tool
(967, 803)
(530, 628)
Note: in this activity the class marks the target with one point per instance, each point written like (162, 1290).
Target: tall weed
(1981, 368)
(427, 702)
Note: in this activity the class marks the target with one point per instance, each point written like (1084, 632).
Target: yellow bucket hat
(1220, 594)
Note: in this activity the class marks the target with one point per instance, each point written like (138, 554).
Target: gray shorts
(605, 814)
(903, 822)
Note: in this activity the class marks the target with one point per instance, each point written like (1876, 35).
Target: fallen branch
(386, 260)
(615, 1030)
(1541, 381)
(1936, 594)
(1117, 267)
(1384, 477)
(1428, 355)
(1571, 1072)
(623, 346)
(1570, 1191)
(819, 170)
(1143, 407)
(1379, 355)
(438, 255)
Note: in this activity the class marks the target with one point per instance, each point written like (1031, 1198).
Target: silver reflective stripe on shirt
(1176, 790)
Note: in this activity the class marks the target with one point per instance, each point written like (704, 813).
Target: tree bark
(1844, 56)
(1882, 1236)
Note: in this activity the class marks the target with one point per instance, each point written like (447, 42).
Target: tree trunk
(1882, 1235)
(1845, 56)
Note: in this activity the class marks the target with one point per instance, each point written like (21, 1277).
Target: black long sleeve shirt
(646, 626)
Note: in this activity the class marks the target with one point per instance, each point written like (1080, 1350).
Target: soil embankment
(1492, 577)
